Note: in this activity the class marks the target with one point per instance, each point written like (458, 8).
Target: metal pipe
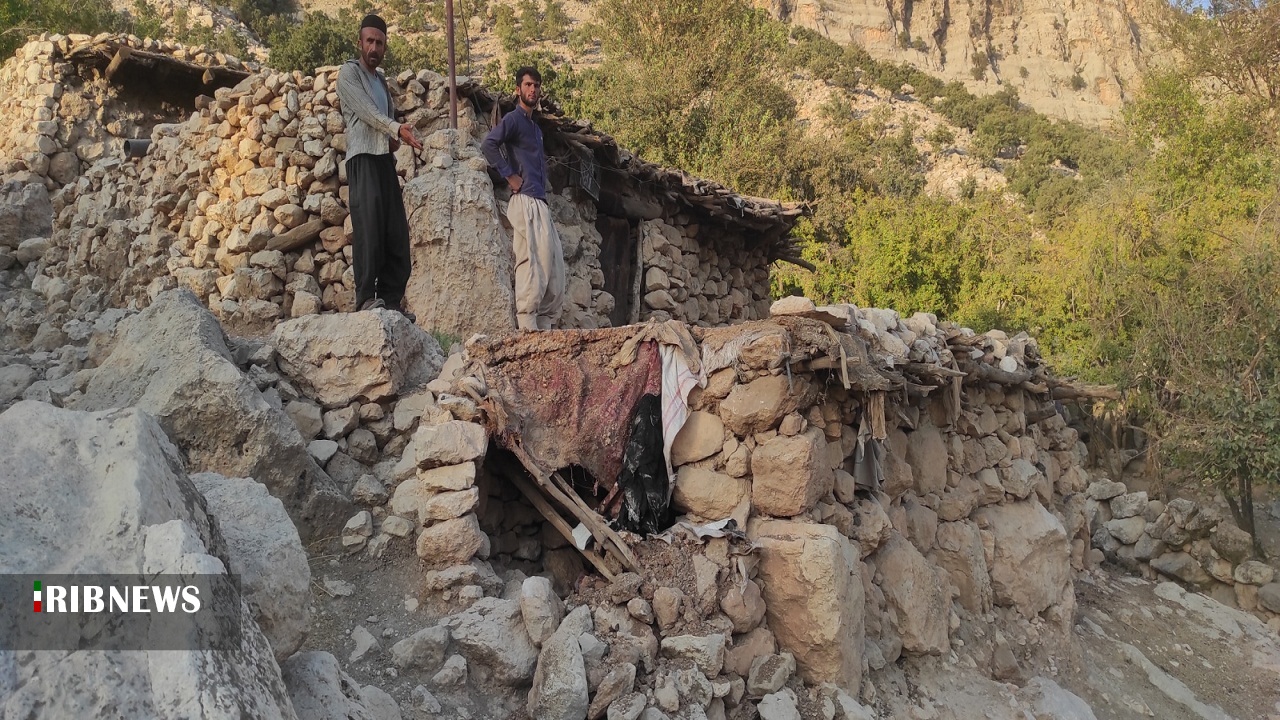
(136, 147)
(453, 70)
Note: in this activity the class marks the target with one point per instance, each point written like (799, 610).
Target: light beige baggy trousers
(539, 263)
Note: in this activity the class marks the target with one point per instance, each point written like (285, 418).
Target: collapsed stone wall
(977, 521)
(1187, 541)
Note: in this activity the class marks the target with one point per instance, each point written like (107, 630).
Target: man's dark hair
(529, 70)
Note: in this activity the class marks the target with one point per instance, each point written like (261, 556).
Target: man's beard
(369, 61)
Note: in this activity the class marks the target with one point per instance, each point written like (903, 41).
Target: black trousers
(379, 229)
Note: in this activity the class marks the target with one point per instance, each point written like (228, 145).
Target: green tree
(686, 84)
(1209, 363)
(318, 41)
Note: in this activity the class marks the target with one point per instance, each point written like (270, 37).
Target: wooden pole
(453, 74)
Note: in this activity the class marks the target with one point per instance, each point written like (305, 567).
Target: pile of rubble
(1184, 540)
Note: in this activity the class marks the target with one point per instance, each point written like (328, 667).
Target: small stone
(425, 702)
(1253, 572)
(424, 649)
(639, 609)
(666, 606)
(778, 706)
(364, 640)
(370, 491)
(398, 526)
(360, 525)
(337, 423)
(769, 673)
(307, 416)
(541, 609)
(322, 451)
(1105, 490)
(706, 651)
(627, 707)
(453, 673)
(1269, 597)
(339, 588)
(1128, 505)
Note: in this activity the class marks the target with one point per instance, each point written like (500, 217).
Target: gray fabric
(368, 116)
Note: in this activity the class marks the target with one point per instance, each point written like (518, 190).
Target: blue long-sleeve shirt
(520, 135)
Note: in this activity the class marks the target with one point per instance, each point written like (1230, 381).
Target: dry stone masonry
(1182, 540)
(241, 198)
(858, 497)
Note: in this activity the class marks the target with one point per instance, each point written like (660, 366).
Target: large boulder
(25, 212)
(757, 406)
(101, 493)
(790, 474)
(958, 550)
(265, 552)
(707, 493)
(322, 691)
(463, 264)
(927, 456)
(1032, 560)
(917, 594)
(560, 680)
(367, 356)
(812, 580)
(491, 634)
(172, 361)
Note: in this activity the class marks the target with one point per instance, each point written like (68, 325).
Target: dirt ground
(1150, 650)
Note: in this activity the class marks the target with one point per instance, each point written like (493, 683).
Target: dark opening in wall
(619, 238)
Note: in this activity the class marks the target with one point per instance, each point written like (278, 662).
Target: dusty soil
(1227, 660)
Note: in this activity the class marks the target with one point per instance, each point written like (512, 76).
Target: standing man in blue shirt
(514, 147)
(379, 226)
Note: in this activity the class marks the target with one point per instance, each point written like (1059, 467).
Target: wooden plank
(558, 522)
(599, 529)
(607, 539)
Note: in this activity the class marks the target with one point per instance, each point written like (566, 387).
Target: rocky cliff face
(1069, 59)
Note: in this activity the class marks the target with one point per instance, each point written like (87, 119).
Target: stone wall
(244, 202)
(698, 282)
(61, 119)
(1184, 540)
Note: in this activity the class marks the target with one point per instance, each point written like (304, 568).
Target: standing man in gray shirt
(379, 226)
(514, 147)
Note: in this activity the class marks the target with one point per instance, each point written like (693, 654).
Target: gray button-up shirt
(366, 109)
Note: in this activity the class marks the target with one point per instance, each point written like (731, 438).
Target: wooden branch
(558, 522)
(292, 240)
(606, 538)
(122, 54)
(1041, 414)
(983, 372)
(932, 370)
(1067, 391)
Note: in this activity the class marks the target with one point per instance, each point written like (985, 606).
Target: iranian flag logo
(37, 592)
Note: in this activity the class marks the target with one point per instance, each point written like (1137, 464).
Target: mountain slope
(1074, 60)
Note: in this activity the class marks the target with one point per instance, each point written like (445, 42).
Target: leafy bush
(1078, 83)
(423, 51)
(320, 40)
(22, 18)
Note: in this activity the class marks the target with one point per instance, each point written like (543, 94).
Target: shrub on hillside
(318, 41)
(20, 19)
